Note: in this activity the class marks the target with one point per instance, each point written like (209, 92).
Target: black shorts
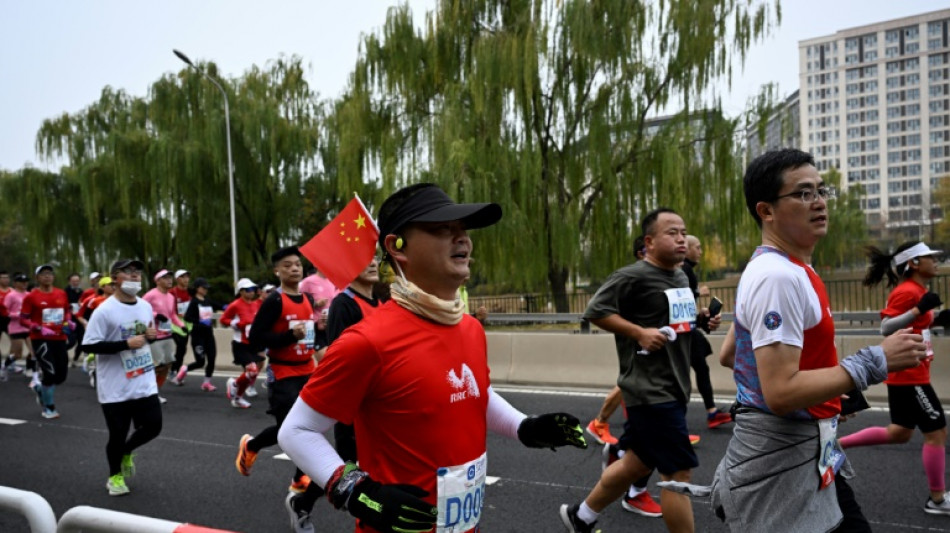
(658, 435)
(4, 324)
(916, 406)
(244, 354)
(24, 335)
(282, 393)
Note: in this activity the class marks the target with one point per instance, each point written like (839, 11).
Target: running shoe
(572, 522)
(245, 457)
(694, 439)
(608, 456)
(128, 466)
(251, 391)
(50, 413)
(117, 486)
(943, 507)
(240, 403)
(38, 389)
(208, 387)
(717, 418)
(179, 378)
(14, 368)
(642, 504)
(299, 519)
(300, 486)
(162, 400)
(92, 378)
(231, 389)
(601, 432)
(29, 372)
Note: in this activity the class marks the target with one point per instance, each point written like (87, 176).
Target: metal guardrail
(31, 505)
(853, 318)
(85, 519)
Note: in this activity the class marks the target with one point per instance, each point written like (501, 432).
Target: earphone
(399, 243)
(916, 261)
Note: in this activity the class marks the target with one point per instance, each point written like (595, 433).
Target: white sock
(635, 491)
(620, 453)
(587, 514)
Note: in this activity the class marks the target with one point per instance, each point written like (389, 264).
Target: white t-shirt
(129, 374)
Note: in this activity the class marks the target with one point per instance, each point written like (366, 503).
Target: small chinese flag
(345, 246)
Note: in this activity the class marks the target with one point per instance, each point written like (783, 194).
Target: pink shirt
(163, 304)
(319, 288)
(13, 301)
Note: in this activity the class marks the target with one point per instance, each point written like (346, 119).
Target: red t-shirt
(181, 299)
(903, 298)
(3, 309)
(245, 313)
(87, 294)
(47, 309)
(416, 391)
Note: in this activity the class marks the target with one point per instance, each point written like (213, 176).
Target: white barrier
(31, 505)
(94, 520)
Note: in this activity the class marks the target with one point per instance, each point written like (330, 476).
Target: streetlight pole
(227, 136)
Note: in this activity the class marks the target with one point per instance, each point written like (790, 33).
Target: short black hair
(646, 226)
(765, 176)
(282, 253)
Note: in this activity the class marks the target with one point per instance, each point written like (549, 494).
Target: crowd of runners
(401, 377)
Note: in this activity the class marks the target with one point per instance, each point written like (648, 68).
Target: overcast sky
(56, 56)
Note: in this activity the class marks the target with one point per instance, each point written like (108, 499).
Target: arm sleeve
(502, 417)
(261, 335)
(106, 347)
(890, 324)
(96, 338)
(302, 438)
(344, 312)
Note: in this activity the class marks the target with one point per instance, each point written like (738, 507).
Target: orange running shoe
(300, 486)
(693, 439)
(245, 458)
(601, 432)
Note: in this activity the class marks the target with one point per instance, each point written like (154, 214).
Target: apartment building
(875, 104)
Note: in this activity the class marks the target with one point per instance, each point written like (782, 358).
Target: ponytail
(880, 266)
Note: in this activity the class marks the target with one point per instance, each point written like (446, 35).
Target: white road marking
(11, 421)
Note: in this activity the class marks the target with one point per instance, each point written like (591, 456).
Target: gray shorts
(163, 351)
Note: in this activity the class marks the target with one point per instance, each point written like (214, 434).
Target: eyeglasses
(810, 196)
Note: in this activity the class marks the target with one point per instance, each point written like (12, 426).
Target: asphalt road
(188, 475)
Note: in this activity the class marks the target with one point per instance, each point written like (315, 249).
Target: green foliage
(847, 228)
(543, 107)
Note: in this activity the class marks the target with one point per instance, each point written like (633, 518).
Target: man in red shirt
(45, 312)
(182, 297)
(413, 378)
(239, 316)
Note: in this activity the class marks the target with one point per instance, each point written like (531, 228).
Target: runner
(284, 325)
(911, 398)
(182, 297)
(164, 307)
(45, 312)
(118, 333)
(413, 378)
(200, 314)
(74, 295)
(4, 312)
(239, 316)
(13, 302)
(650, 309)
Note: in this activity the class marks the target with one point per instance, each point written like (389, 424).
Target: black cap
(284, 252)
(426, 202)
(123, 263)
(20, 276)
(200, 282)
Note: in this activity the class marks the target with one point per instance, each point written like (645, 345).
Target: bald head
(694, 248)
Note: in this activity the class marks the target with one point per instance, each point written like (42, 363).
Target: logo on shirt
(466, 385)
(772, 320)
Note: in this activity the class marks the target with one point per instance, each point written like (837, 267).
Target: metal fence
(846, 294)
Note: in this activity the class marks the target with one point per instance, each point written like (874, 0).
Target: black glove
(551, 430)
(928, 302)
(386, 508)
(161, 318)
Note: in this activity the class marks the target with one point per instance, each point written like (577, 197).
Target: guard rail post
(85, 519)
(34, 507)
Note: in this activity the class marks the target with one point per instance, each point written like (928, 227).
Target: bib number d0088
(461, 496)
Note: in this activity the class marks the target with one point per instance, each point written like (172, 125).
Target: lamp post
(227, 136)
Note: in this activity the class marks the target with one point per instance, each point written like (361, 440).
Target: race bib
(309, 337)
(831, 457)
(165, 326)
(928, 343)
(205, 312)
(461, 495)
(53, 316)
(74, 308)
(137, 362)
(682, 309)
(182, 307)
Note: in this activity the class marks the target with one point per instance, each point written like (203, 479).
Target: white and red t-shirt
(46, 309)
(163, 303)
(903, 298)
(243, 314)
(181, 299)
(782, 300)
(396, 376)
(13, 302)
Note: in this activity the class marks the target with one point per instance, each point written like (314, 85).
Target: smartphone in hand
(715, 306)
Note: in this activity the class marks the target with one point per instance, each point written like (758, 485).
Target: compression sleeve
(502, 417)
(890, 324)
(302, 438)
(106, 347)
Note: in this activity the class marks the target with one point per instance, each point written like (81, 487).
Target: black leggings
(144, 413)
(699, 349)
(203, 346)
(53, 360)
(181, 346)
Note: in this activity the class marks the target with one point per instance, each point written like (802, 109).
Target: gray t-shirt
(641, 293)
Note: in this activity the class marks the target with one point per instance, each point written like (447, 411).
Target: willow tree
(547, 107)
(151, 174)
